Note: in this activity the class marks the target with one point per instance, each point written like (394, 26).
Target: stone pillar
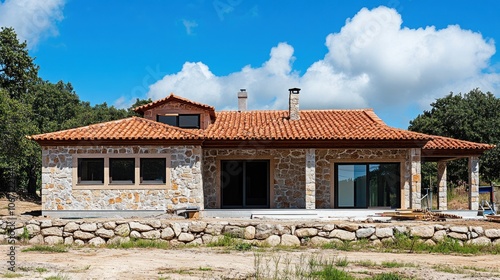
(442, 188)
(473, 183)
(310, 179)
(416, 178)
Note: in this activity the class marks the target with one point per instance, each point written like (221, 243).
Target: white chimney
(293, 110)
(242, 100)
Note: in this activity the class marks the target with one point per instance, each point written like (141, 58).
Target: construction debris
(493, 218)
(420, 215)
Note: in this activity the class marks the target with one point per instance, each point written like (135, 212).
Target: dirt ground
(220, 263)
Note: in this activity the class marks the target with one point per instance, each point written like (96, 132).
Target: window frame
(335, 183)
(136, 185)
(152, 182)
(90, 182)
(178, 120)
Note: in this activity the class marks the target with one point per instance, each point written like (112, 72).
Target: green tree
(138, 102)
(17, 153)
(474, 116)
(18, 72)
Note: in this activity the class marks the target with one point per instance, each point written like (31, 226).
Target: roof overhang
(304, 144)
(152, 142)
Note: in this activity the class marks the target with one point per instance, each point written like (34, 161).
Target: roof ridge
(371, 114)
(172, 96)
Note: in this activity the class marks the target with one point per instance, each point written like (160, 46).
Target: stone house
(185, 154)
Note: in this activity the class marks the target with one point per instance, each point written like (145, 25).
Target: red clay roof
(133, 128)
(261, 125)
(312, 125)
(445, 143)
(173, 97)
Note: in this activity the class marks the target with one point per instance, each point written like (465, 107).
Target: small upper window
(90, 170)
(121, 170)
(182, 121)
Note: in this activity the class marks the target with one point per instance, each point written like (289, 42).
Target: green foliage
(45, 248)
(25, 235)
(12, 275)
(387, 276)
(18, 72)
(140, 243)
(57, 277)
(230, 241)
(474, 116)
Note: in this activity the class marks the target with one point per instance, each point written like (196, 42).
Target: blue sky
(393, 56)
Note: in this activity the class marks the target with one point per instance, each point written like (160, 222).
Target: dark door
(245, 183)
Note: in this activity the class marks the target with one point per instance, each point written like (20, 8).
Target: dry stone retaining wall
(197, 232)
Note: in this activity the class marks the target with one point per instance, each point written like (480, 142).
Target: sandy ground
(220, 263)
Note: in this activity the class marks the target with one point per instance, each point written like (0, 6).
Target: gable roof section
(312, 125)
(173, 97)
(133, 128)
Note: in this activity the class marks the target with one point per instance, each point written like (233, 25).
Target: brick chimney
(293, 110)
(242, 100)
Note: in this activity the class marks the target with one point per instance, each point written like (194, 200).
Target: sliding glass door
(364, 185)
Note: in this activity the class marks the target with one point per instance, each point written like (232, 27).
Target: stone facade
(183, 188)
(326, 157)
(442, 186)
(416, 179)
(288, 165)
(474, 183)
(296, 171)
(195, 232)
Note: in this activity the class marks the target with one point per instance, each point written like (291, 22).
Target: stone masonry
(259, 233)
(292, 188)
(289, 174)
(184, 187)
(326, 157)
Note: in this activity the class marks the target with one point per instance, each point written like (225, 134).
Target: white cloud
(189, 25)
(32, 19)
(372, 62)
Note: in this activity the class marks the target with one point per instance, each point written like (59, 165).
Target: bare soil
(220, 263)
(223, 263)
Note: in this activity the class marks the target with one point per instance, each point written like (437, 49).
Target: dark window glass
(91, 170)
(189, 121)
(170, 120)
(121, 170)
(153, 171)
(182, 121)
(365, 185)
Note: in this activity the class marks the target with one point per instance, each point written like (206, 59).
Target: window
(182, 121)
(121, 170)
(362, 185)
(91, 171)
(153, 171)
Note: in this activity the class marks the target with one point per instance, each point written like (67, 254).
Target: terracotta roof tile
(133, 128)
(264, 125)
(312, 125)
(173, 97)
(445, 143)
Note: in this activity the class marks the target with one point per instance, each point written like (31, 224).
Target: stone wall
(184, 187)
(290, 172)
(269, 233)
(326, 157)
(289, 167)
